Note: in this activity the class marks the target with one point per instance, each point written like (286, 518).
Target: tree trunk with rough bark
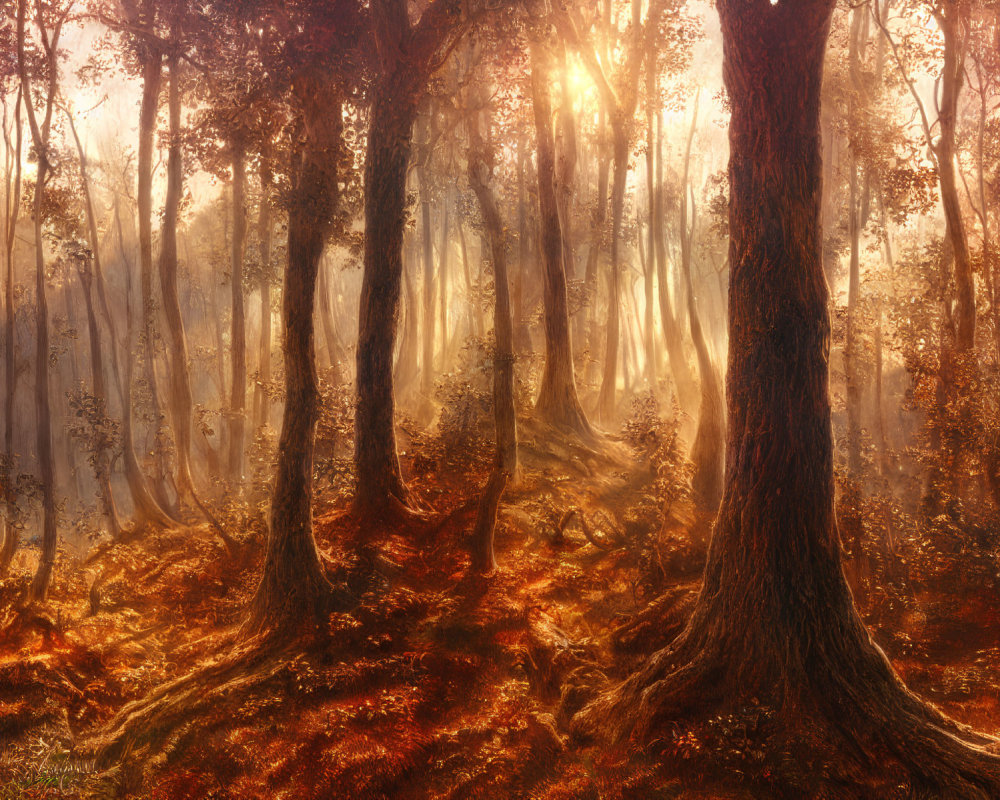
(379, 481)
(408, 54)
(557, 403)
(775, 624)
(293, 583)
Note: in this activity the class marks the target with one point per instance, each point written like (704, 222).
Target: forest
(500, 399)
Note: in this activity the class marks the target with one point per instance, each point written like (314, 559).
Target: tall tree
(181, 399)
(407, 55)
(505, 463)
(238, 336)
(621, 100)
(140, 22)
(265, 233)
(13, 136)
(49, 31)
(775, 622)
(558, 403)
(88, 267)
(708, 450)
(293, 581)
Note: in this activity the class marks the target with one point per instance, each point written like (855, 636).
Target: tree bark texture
(293, 582)
(775, 622)
(557, 403)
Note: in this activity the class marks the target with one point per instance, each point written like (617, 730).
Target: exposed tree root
(847, 698)
(658, 624)
(145, 723)
(392, 511)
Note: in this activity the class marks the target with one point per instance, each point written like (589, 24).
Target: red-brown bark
(775, 622)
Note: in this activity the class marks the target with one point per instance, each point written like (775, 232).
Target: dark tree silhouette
(408, 55)
(293, 582)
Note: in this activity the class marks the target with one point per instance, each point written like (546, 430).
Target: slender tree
(265, 232)
(140, 20)
(238, 336)
(13, 142)
(505, 463)
(708, 450)
(49, 32)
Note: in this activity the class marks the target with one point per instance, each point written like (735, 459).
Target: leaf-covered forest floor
(440, 684)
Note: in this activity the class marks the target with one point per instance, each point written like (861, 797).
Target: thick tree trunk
(393, 111)
(238, 339)
(293, 583)
(557, 403)
(775, 623)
